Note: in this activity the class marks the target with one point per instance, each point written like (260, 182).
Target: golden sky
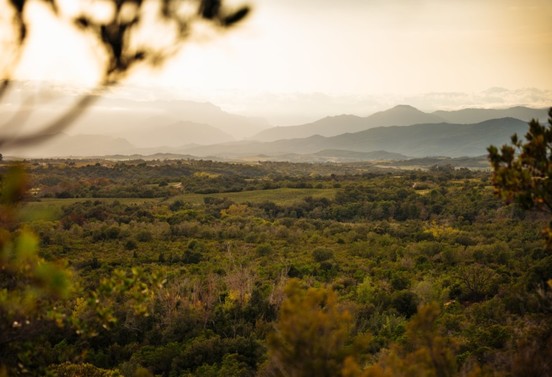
(338, 47)
(373, 46)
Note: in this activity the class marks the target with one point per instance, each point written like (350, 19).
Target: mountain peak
(404, 108)
(402, 115)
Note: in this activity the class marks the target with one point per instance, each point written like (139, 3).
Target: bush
(177, 205)
(321, 254)
(191, 257)
(78, 370)
(405, 302)
(263, 249)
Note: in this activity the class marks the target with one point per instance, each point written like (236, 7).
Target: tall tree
(522, 171)
(311, 334)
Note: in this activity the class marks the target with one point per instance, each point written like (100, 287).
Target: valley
(203, 268)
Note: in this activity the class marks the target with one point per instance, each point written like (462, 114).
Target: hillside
(480, 115)
(177, 134)
(421, 140)
(402, 115)
(77, 145)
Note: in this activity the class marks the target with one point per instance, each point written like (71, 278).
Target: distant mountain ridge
(409, 133)
(420, 140)
(77, 146)
(177, 134)
(123, 117)
(114, 116)
(401, 115)
(473, 115)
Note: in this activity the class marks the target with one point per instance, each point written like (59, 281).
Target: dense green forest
(203, 268)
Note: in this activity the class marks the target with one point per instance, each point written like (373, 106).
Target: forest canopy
(205, 268)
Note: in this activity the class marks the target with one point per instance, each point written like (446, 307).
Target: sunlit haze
(352, 55)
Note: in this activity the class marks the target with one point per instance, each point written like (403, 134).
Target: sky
(347, 55)
(381, 46)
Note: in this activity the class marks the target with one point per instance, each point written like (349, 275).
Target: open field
(48, 208)
(280, 196)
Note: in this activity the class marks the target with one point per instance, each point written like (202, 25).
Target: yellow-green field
(51, 207)
(281, 196)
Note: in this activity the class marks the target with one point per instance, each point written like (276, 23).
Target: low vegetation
(201, 268)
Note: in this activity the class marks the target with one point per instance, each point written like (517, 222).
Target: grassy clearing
(281, 196)
(50, 208)
(423, 192)
(58, 203)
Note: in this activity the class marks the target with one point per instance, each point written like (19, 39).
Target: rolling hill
(177, 134)
(420, 140)
(402, 115)
(76, 146)
(468, 116)
(123, 117)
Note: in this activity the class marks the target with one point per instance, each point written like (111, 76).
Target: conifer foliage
(522, 171)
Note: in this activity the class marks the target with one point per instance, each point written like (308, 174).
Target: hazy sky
(379, 46)
(346, 47)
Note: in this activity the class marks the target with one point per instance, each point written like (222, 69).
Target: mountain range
(420, 140)
(154, 119)
(128, 127)
(401, 115)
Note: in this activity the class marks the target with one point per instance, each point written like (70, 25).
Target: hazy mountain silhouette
(177, 134)
(127, 126)
(381, 143)
(236, 125)
(78, 145)
(115, 115)
(402, 115)
(421, 140)
(441, 139)
(122, 117)
(468, 116)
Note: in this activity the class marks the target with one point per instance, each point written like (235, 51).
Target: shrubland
(202, 268)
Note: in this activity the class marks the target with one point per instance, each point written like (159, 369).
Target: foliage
(34, 292)
(30, 287)
(523, 171)
(311, 333)
(97, 310)
(426, 352)
(395, 278)
(88, 370)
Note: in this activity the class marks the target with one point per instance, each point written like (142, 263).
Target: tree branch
(53, 128)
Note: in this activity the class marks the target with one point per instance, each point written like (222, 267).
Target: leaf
(236, 17)
(26, 248)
